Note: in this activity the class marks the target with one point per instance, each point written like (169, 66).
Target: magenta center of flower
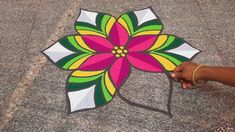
(119, 51)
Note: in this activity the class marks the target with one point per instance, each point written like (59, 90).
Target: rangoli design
(101, 55)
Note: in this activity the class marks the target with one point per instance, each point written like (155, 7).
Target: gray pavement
(32, 93)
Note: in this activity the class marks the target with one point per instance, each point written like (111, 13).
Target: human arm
(184, 72)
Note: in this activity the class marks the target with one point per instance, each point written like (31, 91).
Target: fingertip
(189, 85)
(173, 75)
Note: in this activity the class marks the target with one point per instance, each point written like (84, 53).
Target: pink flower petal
(141, 43)
(119, 71)
(118, 34)
(144, 62)
(98, 43)
(98, 62)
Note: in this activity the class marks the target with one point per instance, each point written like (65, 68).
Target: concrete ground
(32, 89)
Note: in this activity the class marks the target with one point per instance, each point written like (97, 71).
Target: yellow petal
(147, 33)
(124, 24)
(79, 73)
(169, 66)
(87, 32)
(160, 41)
(79, 62)
(110, 24)
(82, 43)
(109, 84)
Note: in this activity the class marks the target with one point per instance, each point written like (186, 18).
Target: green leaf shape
(70, 43)
(132, 22)
(171, 43)
(101, 22)
(102, 95)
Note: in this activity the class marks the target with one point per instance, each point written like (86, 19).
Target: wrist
(202, 73)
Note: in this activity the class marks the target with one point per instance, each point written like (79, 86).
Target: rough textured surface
(26, 27)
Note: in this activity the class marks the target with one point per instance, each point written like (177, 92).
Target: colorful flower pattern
(102, 54)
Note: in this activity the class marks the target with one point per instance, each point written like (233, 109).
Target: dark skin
(183, 73)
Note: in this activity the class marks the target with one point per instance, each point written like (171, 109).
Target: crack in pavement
(30, 33)
(38, 62)
(208, 28)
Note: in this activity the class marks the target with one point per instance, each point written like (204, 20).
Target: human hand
(183, 73)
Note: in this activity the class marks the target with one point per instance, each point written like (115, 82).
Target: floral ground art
(101, 55)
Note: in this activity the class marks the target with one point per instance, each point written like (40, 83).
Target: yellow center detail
(119, 51)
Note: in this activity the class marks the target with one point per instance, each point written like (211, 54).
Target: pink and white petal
(119, 71)
(118, 34)
(141, 43)
(144, 62)
(97, 43)
(98, 62)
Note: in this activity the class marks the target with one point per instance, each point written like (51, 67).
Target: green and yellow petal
(89, 89)
(93, 23)
(171, 51)
(69, 52)
(141, 22)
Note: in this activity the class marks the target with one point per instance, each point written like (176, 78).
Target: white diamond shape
(88, 17)
(184, 50)
(57, 52)
(144, 15)
(82, 99)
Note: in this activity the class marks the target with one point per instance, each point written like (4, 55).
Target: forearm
(219, 74)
